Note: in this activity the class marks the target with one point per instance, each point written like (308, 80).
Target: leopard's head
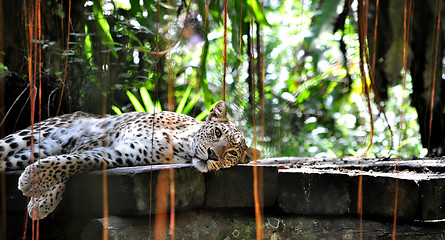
(219, 143)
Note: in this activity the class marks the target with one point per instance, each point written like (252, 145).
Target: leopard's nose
(212, 155)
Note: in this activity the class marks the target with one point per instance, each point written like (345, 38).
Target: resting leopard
(78, 142)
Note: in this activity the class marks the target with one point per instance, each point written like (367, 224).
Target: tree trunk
(426, 72)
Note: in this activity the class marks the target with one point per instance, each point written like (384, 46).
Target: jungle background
(321, 78)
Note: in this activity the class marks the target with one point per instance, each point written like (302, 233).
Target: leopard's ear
(251, 155)
(218, 112)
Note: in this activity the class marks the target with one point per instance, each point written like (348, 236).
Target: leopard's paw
(40, 206)
(30, 181)
(38, 178)
(26, 181)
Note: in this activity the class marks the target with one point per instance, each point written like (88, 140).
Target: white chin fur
(200, 165)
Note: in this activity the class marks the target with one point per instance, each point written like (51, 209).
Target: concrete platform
(241, 225)
(291, 189)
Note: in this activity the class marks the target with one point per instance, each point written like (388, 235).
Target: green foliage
(257, 12)
(148, 106)
(103, 27)
(313, 105)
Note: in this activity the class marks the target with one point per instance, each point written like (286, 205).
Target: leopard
(51, 151)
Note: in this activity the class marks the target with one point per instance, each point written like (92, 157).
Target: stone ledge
(294, 188)
(432, 199)
(420, 186)
(378, 196)
(335, 192)
(229, 188)
(300, 190)
(129, 190)
(318, 194)
(235, 225)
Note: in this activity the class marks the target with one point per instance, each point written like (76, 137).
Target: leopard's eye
(218, 132)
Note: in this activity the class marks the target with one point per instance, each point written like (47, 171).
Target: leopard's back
(13, 145)
(80, 132)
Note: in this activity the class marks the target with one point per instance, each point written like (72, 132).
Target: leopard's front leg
(45, 180)
(41, 179)
(41, 176)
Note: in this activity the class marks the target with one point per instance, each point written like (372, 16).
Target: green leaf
(135, 7)
(148, 4)
(184, 99)
(192, 103)
(136, 104)
(204, 113)
(303, 95)
(116, 110)
(235, 14)
(331, 153)
(88, 47)
(133, 37)
(146, 99)
(408, 141)
(158, 106)
(125, 5)
(3, 67)
(203, 71)
(352, 152)
(103, 27)
(257, 10)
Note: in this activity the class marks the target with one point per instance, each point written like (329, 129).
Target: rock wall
(298, 202)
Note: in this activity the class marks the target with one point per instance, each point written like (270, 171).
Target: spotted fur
(78, 142)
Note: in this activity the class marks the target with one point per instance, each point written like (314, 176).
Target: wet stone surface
(298, 192)
(318, 194)
(419, 185)
(241, 225)
(379, 196)
(130, 190)
(432, 199)
(234, 187)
